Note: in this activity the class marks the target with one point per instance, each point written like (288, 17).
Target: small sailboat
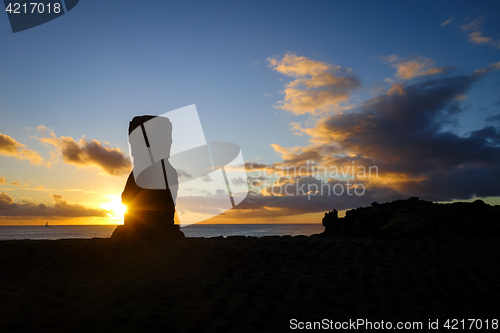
(47, 224)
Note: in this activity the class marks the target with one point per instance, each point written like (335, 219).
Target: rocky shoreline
(415, 218)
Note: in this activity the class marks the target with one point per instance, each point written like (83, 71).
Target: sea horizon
(54, 232)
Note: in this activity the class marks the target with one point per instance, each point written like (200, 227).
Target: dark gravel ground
(240, 284)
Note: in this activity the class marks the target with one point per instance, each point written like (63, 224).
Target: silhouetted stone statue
(150, 212)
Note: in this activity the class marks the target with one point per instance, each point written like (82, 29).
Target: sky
(334, 104)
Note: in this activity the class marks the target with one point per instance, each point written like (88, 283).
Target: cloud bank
(61, 208)
(407, 132)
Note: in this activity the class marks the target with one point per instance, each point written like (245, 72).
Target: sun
(116, 210)
(119, 209)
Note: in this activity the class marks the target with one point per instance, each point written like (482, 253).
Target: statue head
(158, 132)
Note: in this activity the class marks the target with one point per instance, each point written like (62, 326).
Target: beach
(243, 284)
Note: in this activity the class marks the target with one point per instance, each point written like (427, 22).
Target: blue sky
(90, 71)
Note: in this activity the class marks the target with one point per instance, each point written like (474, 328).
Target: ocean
(194, 230)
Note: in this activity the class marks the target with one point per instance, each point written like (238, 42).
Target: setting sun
(115, 207)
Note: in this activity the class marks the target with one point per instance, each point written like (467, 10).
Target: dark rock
(417, 218)
(236, 237)
(330, 222)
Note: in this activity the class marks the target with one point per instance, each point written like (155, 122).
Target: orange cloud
(10, 147)
(318, 87)
(396, 88)
(476, 36)
(413, 66)
(446, 22)
(3, 180)
(87, 153)
(297, 155)
(490, 68)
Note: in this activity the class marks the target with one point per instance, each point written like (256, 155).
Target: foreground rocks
(417, 218)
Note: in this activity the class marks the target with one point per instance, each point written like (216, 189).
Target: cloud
(318, 86)
(491, 119)
(473, 25)
(61, 208)
(206, 178)
(182, 173)
(476, 36)
(488, 69)
(413, 66)
(238, 181)
(77, 190)
(87, 153)
(10, 147)
(396, 89)
(3, 180)
(297, 129)
(256, 181)
(446, 22)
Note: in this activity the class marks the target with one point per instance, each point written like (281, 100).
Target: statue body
(150, 212)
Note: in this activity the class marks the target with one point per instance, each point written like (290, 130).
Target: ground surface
(242, 284)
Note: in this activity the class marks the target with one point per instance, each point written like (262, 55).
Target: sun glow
(115, 207)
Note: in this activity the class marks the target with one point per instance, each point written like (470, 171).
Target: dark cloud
(61, 208)
(87, 153)
(494, 119)
(301, 195)
(255, 181)
(403, 133)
